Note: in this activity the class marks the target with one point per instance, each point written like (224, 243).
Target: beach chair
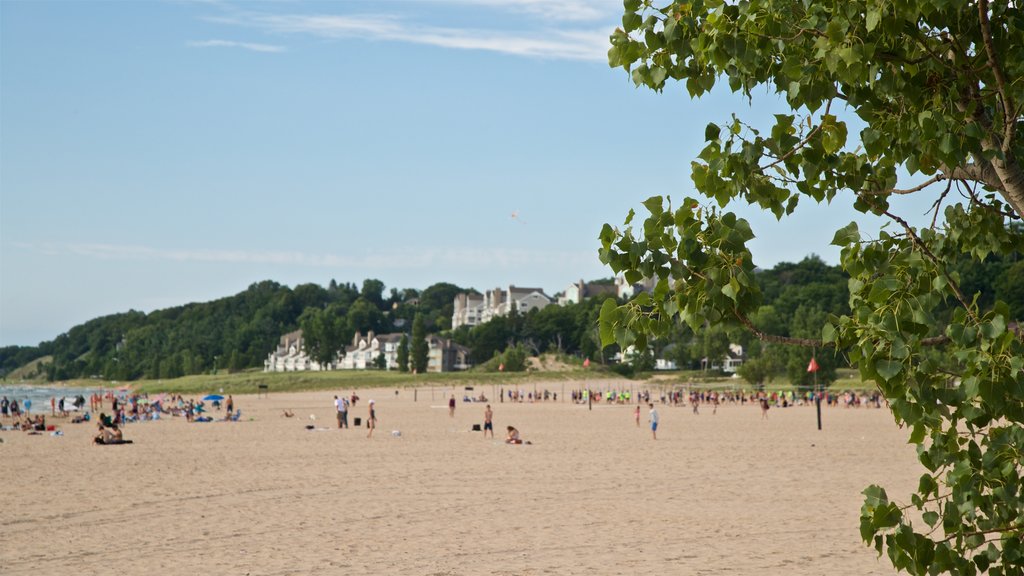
(237, 415)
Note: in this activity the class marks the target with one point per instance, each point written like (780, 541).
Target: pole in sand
(813, 368)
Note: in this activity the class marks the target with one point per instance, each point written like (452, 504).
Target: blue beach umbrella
(213, 397)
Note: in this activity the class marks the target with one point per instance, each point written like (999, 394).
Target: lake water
(40, 396)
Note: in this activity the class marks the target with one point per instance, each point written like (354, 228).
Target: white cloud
(232, 44)
(568, 44)
(565, 10)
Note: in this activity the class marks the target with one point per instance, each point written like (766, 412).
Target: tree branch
(1009, 120)
(800, 144)
(931, 256)
(1010, 528)
(810, 342)
(918, 188)
(983, 173)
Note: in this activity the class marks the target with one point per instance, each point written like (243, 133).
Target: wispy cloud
(232, 44)
(398, 258)
(556, 43)
(564, 10)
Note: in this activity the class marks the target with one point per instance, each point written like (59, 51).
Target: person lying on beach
(287, 413)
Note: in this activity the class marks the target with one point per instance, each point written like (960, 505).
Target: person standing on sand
(230, 405)
(339, 405)
(654, 421)
(764, 408)
(451, 405)
(371, 421)
(488, 421)
(636, 414)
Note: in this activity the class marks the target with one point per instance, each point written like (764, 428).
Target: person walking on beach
(339, 405)
(230, 406)
(636, 415)
(764, 408)
(488, 421)
(654, 421)
(451, 405)
(371, 421)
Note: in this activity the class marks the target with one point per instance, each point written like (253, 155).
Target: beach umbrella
(213, 397)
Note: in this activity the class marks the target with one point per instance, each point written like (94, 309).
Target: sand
(594, 494)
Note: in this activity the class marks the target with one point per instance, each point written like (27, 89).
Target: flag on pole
(813, 366)
(501, 367)
(586, 363)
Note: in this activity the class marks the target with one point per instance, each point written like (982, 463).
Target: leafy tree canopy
(937, 88)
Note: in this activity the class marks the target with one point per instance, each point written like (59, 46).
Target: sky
(154, 154)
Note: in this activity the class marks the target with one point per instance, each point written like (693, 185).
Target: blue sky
(158, 153)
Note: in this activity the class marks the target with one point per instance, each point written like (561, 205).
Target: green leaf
(872, 19)
(828, 333)
(888, 369)
(711, 132)
(731, 289)
(607, 319)
(847, 235)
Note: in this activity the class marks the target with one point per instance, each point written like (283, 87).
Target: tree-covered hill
(234, 332)
(238, 332)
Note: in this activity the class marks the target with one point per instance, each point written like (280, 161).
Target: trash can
(357, 421)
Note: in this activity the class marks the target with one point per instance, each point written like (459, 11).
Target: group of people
(526, 396)
(10, 408)
(109, 432)
(342, 406)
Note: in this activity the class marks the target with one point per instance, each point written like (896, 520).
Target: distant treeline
(238, 332)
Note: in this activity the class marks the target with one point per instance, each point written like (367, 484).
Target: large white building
(290, 356)
(475, 309)
(443, 355)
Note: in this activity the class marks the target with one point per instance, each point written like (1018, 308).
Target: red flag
(586, 363)
(813, 366)
(501, 367)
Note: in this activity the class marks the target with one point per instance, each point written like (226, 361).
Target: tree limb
(931, 256)
(984, 173)
(918, 188)
(1009, 120)
(800, 144)
(810, 342)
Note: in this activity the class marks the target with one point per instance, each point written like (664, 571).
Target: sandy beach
(728, 493)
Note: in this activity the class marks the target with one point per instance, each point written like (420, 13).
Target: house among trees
(473, 309)
(579, 291)
(616, 288)
(365, 352)
(733, 359)
(290, 356)
(371, 351)
(446, 355)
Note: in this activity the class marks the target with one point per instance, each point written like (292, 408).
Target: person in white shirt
(654, 421)
(341, 404)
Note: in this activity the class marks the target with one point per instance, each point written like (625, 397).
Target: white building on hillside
(289, 356)
(475, 309)
(365, 350)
